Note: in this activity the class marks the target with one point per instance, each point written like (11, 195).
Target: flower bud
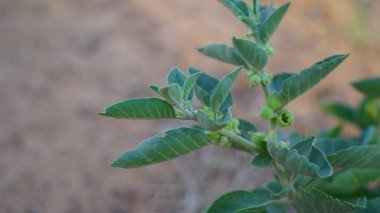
(255, 81)
(225, 142)
(274, 101)
(213, 135)
(266, 113)
(266, 79)
(285, 118)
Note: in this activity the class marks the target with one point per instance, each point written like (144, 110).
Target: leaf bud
(266, 79)
(255, 81)
(285, 118)
(225, 142)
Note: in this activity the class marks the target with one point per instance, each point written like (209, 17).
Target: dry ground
(63, 60)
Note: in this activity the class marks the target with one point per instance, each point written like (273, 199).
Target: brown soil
(62, 61)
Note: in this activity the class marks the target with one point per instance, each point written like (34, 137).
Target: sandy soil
(62, 61)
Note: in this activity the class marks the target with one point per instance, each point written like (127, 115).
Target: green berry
(285, 118)
(255, 80)
(225, 142)
(267, 113)
(274, 101)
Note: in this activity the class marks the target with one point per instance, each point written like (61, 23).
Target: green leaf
(242, 201)
(299, 159)
(141, 108)
(176, 76)
(330, 146)
(315, 201)
(253, 56)
(341, 111)
(204, 87)
(173, 94)
(155, 88)
(349, 182)
(237, 7)
(189, 85)
(277, 80)
(369, 112)
(222, 89)
(210, 124)
(308, 78)
(373, 206)
(361, 157)
(245, 128)
(368, 135)
(271, 24)
(174, 144)
(369, 87)
(223, 53)
(262, 160)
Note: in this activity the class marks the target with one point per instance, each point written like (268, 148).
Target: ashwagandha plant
(303, 166)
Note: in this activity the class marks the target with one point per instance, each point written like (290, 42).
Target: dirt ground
(63, 60)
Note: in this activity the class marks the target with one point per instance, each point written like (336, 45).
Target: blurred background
(63, 60)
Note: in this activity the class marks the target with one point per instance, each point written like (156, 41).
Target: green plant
(303, 166)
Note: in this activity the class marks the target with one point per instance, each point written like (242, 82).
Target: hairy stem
(240, 141)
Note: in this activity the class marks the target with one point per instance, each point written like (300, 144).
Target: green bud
(267, 113)
(274, 101)
(259, 138)
(255, 81)
(285, 118)
(266, 79)
(213, 135)
(234, 123)
(225, 142)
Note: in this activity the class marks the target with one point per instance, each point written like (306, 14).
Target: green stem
(240, 141)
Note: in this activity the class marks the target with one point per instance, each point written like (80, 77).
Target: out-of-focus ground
(63, 60)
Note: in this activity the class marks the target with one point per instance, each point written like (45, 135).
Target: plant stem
(240, 141)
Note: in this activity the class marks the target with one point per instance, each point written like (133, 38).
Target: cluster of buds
(257, 79)
(224, 141)
(273, 110)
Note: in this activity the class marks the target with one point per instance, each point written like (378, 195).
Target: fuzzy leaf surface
(223, 53)
(277, 81)
(174, 144)
(270, 25)
(253, 56)
(189, 85)
(140, 108)
(300, 83)
(237, 7)
(210, 124)
(361, 157)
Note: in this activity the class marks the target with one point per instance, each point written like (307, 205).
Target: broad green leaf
(204, 87)
(245, 128)
(210, 124)
(242, 201)
(237, 7)
(369, 87)
(223, 53)
(330, 146)
(315, 201)
(176, 76)
(308, 78)
(254, 56)
(266, 11)
(140, 108)
(361, 157)
(315, 164)
(174, 144)
(277, 80)
(373, 206)
(173, 94)
(341, 111)
(349, 182)
(189, 85)
(271, 24)
(262, 160)
(222, 89)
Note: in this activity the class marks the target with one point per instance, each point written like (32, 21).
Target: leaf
(189, 85)
(369, 112)
(245, 128)
(237, 7)
(223, 53)
(315, 164)
(330, 146)
(210, 124)
(361, 157)
(341, 111)
(277, 80)
(174, 144)
(262, 160)
(173, 94)
(369, 87)
(242, 201)
(266, 11)
(254, 56)
(349, 182)
(368, 135)
(222, 89)
(271, 24)
(176, 76)
(204, 87)
(308, 78)
(315, 201)
(373, 206)
(140, 108)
